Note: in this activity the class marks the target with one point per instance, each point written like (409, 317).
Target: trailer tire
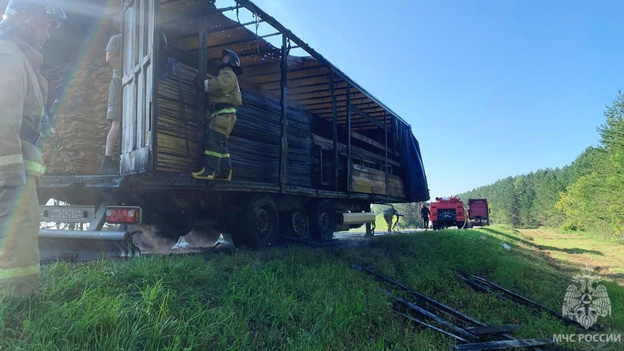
(296, 223)
(434, 225)
(260, 223)
(323, 221)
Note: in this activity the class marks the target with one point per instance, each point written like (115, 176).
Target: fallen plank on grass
(504, 344)
(428, 314)
(496, 329)
(440, 306)
(427, 325)
(523, 300)
(486, 289)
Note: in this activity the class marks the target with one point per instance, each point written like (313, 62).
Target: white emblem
(586, 304)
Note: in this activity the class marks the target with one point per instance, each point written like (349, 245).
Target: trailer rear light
(123, 214)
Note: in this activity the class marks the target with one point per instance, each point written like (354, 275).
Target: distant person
(424, 215)
(113, 112)
(389, 214)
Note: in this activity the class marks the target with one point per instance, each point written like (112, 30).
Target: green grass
(381, 226)
(288, 298)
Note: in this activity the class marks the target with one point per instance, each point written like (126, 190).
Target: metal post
(349, 165)
(334, 126)
(394, 134)
(153, 111)
(284, 104)
(386, 150)
(201, 98)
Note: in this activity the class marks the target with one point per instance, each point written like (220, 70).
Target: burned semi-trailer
(311, 149)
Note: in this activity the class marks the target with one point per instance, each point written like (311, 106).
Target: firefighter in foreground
(224, 94)
(25, 28)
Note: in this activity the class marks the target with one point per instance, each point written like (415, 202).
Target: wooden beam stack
(81, 116)
(254, 144)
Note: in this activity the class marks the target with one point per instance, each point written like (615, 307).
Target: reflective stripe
(34, 167)
(216, 154)
(227, 110)
(11, 160)
(19, 272)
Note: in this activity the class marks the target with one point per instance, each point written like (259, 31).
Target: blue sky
(491, 88)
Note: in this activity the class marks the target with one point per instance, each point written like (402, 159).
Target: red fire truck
(478, 212)
(446, 212)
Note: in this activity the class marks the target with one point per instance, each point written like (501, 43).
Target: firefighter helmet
(19, 12)
(234, 61)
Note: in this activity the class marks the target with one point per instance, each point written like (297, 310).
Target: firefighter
(224, 94)
(424, 215)
(113, 112)
(25, 28)
(389, 214)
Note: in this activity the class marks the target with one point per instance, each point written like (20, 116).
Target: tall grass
(283, 299)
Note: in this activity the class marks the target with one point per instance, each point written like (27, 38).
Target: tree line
(587, 195)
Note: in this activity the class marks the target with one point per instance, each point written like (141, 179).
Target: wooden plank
(493, 329)
(358, 136)
(427, 325)
(295, 83)
(428, 314)
(366, 116)
(309, 72)
(423, 298)
(355, 98)
(504, 344)
(81, 116)
(342, 109)
(519, 298)
(312, 88)
(357, 152)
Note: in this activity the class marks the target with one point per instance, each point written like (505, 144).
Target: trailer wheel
(434, 225)
(260, 223)
(323, 221)
(296, 223)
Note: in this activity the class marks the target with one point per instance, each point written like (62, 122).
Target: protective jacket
(225, 96)
(224, 89)
(23, 93)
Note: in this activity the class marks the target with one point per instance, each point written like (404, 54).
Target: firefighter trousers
(19, 232)
(216, 153)
(389, 222)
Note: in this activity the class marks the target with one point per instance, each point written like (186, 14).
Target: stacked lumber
(81, 116)
(254, 144)
(372, 181)
(178, 122)
(365, 179)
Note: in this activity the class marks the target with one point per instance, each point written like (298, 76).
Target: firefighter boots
(225, 176)
(204, 174)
